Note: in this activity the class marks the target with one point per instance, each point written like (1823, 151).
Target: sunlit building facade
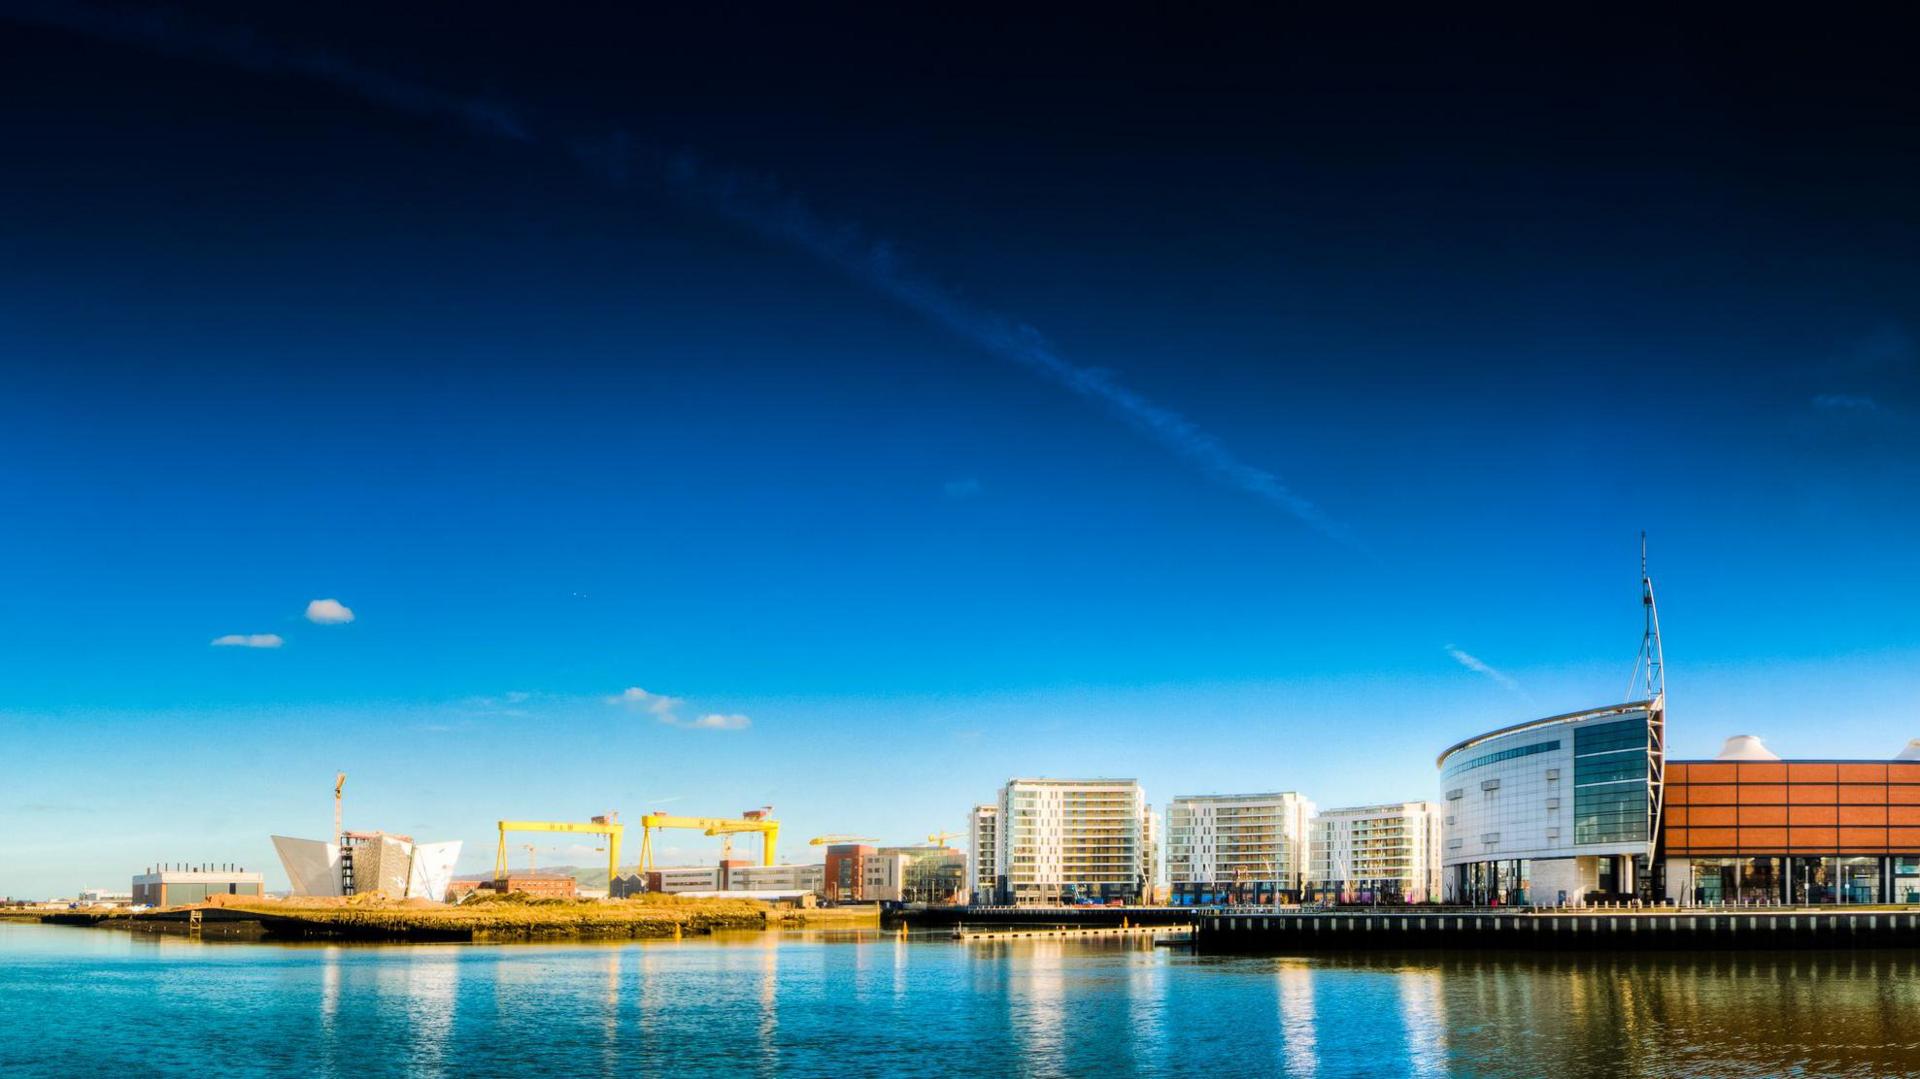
(1237, 848)
(1072, 841)
(1375, 854)
(983, 871)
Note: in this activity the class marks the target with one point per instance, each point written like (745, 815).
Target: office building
(1376, 854)
(1237, 848)
(1555, 811)
(778, 878)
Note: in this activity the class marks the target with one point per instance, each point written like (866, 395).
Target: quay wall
(985, 917)
(1547, 931)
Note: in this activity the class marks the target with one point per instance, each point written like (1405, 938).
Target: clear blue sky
(1488, 310)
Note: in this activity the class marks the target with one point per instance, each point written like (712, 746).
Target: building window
(1610, 783)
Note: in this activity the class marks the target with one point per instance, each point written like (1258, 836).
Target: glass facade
(1494, 884)
(1610, 783)
(1738, 880)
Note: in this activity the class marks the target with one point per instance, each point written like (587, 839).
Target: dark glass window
(1501, 755)
(1610, 782)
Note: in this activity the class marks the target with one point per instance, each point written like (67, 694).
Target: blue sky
(266, 341)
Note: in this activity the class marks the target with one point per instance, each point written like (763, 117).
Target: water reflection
(793, 1005)
(1293, 984)
(1036, 992)
(1423, 1013)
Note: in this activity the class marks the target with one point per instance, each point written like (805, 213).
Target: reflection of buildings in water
(329, 1008)
(653, 1001)
(610, 1014)
(1423, 1013)
(432, 986)
(1147, 1011)
(767, 1031)
(1760, 1012)
(899, 969)
(1036, 992)
(1299, 1048)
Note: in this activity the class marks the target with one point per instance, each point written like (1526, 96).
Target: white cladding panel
(312, 865)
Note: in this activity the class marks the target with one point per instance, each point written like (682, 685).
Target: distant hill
(586, 878)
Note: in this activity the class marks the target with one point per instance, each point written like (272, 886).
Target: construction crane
(608, 825)
(828, 840)
(753, 820)
(939, 839)
(339, 784)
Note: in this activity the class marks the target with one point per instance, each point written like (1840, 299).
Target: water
(85, 1001)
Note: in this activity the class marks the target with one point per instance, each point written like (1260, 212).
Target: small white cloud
(248, 640)
(329, 612)
(635, 699)
(667, 710)
(961, 489)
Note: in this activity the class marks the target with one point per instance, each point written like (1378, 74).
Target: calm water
(79, 1001)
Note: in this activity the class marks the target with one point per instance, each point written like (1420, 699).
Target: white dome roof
(1745, 747)
(1911, 753)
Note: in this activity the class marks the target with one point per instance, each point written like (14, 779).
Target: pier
(1662, 927)
(1171, 933)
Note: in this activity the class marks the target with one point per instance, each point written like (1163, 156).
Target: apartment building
(983, 871)
(1071, 841)
(1376, 854)
(1237, 848)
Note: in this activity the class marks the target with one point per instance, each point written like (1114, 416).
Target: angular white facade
(1067, 840)
(1376, 854)
(1244, 843)
(312, 865)
(385, 864)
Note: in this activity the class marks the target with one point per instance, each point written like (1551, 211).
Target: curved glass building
(1561, 811)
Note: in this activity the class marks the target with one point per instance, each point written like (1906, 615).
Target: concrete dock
(1761, 927)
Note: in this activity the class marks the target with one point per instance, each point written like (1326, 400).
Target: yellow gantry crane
(608, 826)
(753, 820)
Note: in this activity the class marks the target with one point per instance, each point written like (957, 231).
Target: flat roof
(1795, 760)
(1570, 717)
(1236, 797)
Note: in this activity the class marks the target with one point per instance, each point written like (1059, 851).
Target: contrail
(1477, 665)
(756, 204)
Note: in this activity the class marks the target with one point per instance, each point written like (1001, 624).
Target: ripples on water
(77, 1001)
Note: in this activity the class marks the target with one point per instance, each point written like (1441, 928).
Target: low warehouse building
(173, 886)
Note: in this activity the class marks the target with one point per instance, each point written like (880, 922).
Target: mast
(1649, 681)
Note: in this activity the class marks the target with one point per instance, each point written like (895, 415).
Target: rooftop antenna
(1649, 682)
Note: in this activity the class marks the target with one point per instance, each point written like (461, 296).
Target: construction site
(361, 865)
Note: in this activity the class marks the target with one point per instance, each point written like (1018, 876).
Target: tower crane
(827, 840)
(939, 839)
